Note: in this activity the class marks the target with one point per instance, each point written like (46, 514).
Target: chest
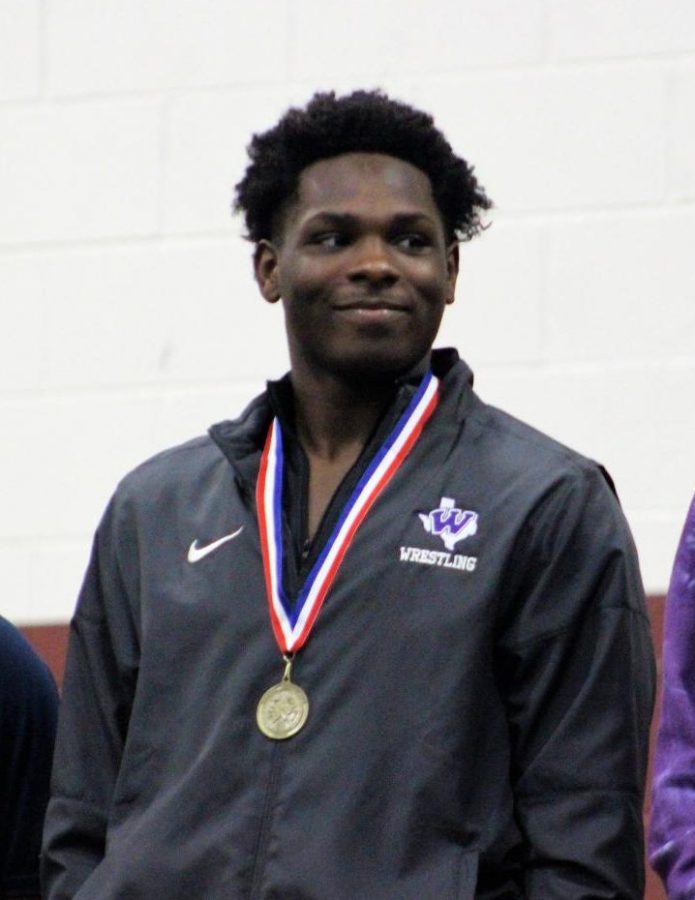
(324, 479)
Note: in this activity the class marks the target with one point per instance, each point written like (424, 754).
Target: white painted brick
(21, 299)
(40, 579)
(78, 172)
(149, 314)
(496, 317)
(56, 580)
(634, 420)
(19, 49)
(580, 325)
(368, 40)
(109, 326)
(15, 580)
(232, 332)
(681, 131)
(183, 414)
(94, 440)
(621, 288)
(557, 139)
(51, 575)
(596, 29)
(60, 458)
(140, 45)
(206, 140)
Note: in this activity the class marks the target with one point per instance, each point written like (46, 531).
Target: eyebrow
(348, 220)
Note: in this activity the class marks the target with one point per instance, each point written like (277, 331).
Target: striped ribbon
(292, 623)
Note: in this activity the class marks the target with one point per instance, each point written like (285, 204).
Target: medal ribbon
(292, 624)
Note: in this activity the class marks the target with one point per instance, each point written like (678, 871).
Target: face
(362, 267)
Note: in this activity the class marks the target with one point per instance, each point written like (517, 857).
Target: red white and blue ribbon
(292, 622)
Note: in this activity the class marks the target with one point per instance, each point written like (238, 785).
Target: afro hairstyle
(360, 122)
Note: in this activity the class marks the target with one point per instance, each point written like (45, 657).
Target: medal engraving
(283, 708)
(282, 711)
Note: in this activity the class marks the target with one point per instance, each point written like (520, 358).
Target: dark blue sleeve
(28, 712)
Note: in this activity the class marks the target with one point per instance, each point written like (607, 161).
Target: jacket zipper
(264, 829)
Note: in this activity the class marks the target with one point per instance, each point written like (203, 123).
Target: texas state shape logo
(450, 523)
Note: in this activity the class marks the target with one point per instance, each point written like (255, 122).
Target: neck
(335, 419)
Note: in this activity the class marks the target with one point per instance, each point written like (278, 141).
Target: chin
(377, 366)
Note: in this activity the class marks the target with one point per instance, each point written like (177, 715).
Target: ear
(265, 267)
(452, 270)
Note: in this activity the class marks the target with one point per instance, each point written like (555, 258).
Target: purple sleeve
(672, 831)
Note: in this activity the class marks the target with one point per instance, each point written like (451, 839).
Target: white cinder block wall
(129, 317)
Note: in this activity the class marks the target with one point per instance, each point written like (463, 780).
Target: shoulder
(28, 716)
(502, 445)
(196, 460)
(167, 465)
(558, 506)
(159, 486)
(682, 587)
(572, 549)
(26, 682)
(17, 654)
(532, 466)
(688, 537)
(524, 445)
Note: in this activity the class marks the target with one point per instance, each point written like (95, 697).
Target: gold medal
(283, 708)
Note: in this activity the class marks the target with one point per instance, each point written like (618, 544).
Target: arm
(577, 671)
(672, 831)
(99, 683)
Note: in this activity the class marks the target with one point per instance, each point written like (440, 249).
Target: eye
(331, 240)
(413, 242)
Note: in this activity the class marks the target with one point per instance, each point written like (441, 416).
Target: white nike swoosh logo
(195, 552)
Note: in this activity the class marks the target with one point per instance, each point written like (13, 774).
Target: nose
(373, 264)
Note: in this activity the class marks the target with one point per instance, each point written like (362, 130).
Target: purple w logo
(450, 523)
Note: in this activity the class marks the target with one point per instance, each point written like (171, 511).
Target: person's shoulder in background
(28, 713)
(672, 827)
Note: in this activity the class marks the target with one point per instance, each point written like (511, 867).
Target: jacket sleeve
(100, 675)
(672, 830)
(576, 670)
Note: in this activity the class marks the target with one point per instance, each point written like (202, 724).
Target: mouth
(372, 310)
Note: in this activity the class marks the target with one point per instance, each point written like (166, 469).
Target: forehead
(363, 180)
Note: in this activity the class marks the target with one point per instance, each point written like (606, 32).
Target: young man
(373, 639)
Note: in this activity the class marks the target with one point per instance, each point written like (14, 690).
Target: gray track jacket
(480, 702)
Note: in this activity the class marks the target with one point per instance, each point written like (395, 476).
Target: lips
(372, 304)
(371, 314)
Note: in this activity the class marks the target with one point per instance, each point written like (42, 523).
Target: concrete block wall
(130, 320)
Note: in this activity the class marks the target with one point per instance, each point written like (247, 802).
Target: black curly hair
(361, 122)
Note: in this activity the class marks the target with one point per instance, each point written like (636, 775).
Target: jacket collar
(241, 440)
